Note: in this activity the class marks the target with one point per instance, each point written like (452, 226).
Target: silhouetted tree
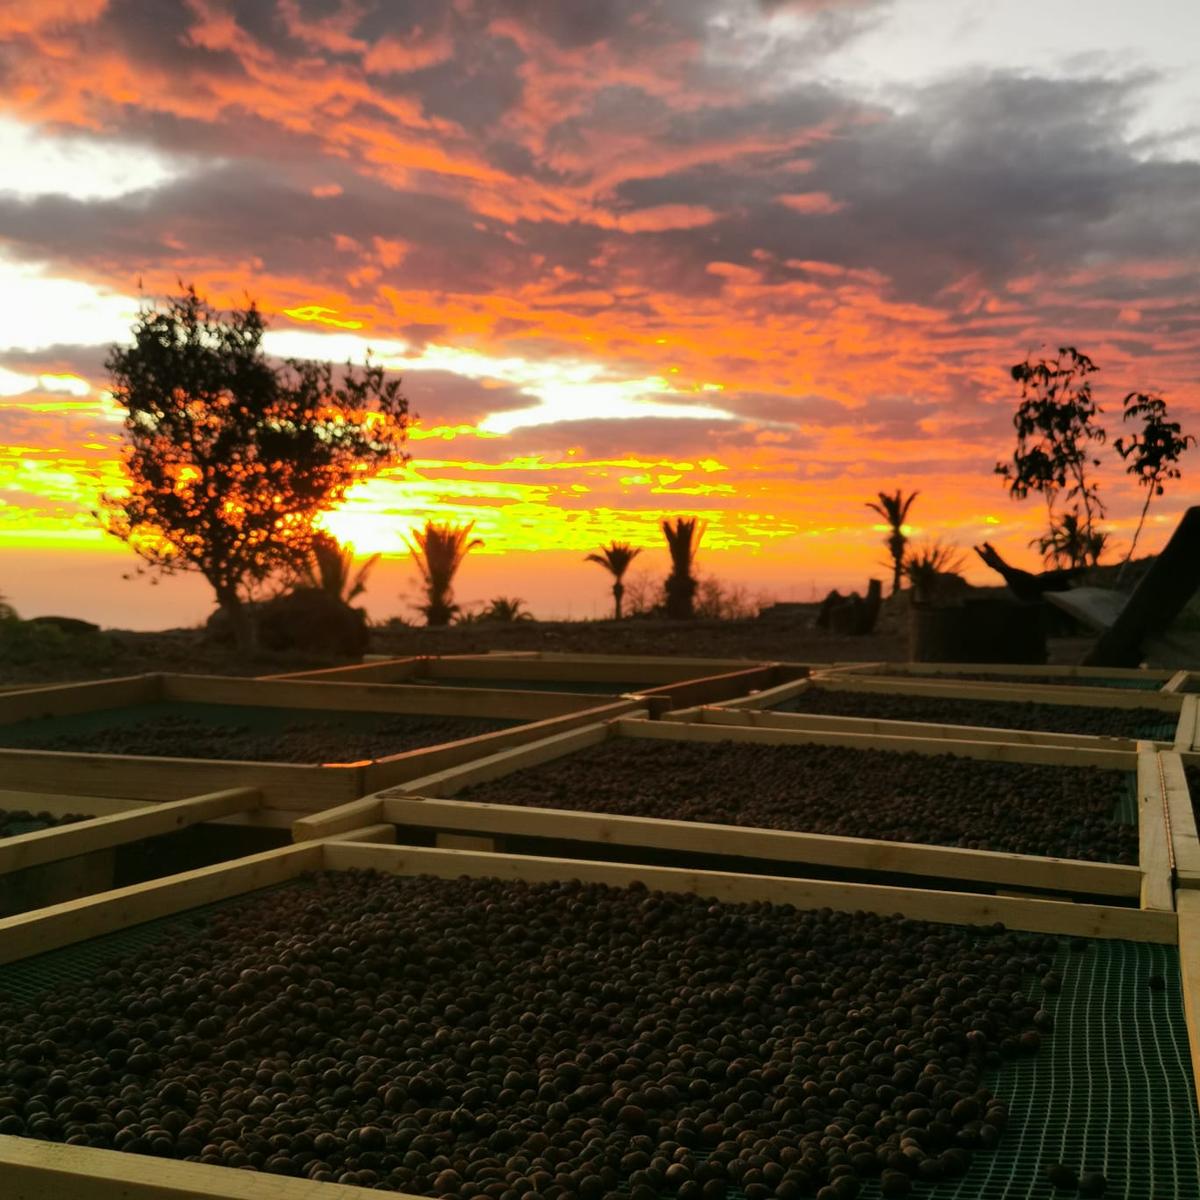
(615, 559)
(439, 552)
(1153, 454)
(894, 510)
(1055, 429)
(1069, 543)
(683, 539)
(330, 567)
(504, 610)
(230, 457)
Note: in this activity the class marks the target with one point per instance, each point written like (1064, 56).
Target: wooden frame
(428, 803)
(49, 1171)
(1181, 821)
(1081, 676)
(295, 787)
(1170, 704)
(51, 865)
(664, 683)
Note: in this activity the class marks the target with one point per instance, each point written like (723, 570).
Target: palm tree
(894, 510)
(615, 559)
(1070, 543)
(683, 539)
(330, 568)
(439, 552)
(505, 610)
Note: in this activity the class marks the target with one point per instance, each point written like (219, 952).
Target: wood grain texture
(1154, 856)
(1181, 819)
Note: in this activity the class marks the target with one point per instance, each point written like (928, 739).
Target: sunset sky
(748, 259)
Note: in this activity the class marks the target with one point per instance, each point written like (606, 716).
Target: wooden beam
(402, 769)
(376, 697)
(1087, 697)
(1154, 855)
(1178, 682)
(285, 785)
(61, 803)
(1189, 967)
(490, 765)
(78, 920)
(948, 908)
(382, 833)
(782, 846)
(100, 833)
(1181, 820)
(724, 714)
(35, 1170)
(367, 811)
(65, 699)
(1118, 760)
(1187, 733)
(391, 670)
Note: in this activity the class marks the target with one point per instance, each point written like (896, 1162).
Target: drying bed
(246, 733)
(1131, 723)
(353, 1027)
(306, 745)
(944, 800)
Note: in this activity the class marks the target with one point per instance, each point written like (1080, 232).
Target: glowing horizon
(754, 261)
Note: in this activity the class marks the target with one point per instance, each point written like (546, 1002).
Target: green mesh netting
(1111, 1089)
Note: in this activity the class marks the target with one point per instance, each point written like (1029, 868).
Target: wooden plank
(36, 1170)
(722, 714)
(1181, 821)
(452, 779)
(711, 688)
(948, 908)
(389, 670)
(1189, 966)
(100, 833)
(1087, 697)
(78, 920)
(696, 837)
(615, 671)
(61, 803)
(367, 811)
(383, 833)
(284, 785)
(771, 696)
(413, 764)
(1177, 682)
(1046, 670)
(60, 700)
(1187, 733)
(380, 698)
(1154, 856)
(1117, 760)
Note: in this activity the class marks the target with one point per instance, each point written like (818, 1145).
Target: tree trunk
(618, 592)
(681, 590)
(240, 621)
